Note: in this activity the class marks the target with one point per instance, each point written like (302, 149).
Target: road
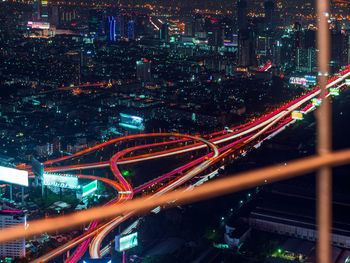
(243, 135)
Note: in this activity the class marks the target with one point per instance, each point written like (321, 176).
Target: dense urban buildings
(105, 101)
(16, 248)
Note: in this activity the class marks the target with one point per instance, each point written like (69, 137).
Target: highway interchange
(230, 142)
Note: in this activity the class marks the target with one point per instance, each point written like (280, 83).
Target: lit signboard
(347, 81)
(297, 81)
(310, 79)
(13, 176)
(334, 91)
(38, 25)
(89, 188)
(125, 242)
(316, 102)
(297, 115)
(230, 43)
(63, 181)
(305, 81)
(132, 122)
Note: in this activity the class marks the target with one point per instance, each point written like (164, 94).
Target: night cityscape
(105, 104)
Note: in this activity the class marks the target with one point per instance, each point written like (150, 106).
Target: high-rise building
(67, 16)
(339, 49)
(276, 53)
(298, 35)
(96, 22)
(36, 11)
(15, 248)
(310, 39)
(143, 70)
(111, 26)
(54, 19)
(228, 28)
(242, 21)
(44, 11)
(246, 48)
(215, 35)
(164, 32)
(71, 71)
(189, 26)
(121, 24)
(131, 30)
(262, 45)
(269, 14)
(306, 60)
(198, 24)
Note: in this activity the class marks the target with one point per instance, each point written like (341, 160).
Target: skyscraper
(164, 32)
(54, 19)
(276, 53)
(246, 35)
(242, 21)
(298, 35)
(198, 24)
(96, 22)
(339, 49)
(36, 11)
(306, 60)
(216, 35)
(44, 11)
(111, 25)
(246, 51)
(269, 8)
(121, 24)
(143, 70)
(131, 30)
(189, 26)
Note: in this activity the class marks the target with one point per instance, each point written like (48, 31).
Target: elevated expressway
(239, 137)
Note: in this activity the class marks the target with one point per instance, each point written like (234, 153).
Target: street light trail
(274, 120)
(212, 189)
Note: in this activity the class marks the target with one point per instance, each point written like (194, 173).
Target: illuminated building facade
(111, 29)
(131, 30)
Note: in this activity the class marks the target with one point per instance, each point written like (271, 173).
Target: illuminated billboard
(38, 25)
(297, 81)
(334, 91)
(125, 242)
(316, 102)
(310, 79)
(347, 81)
(13, 176)
(62, 181)
(131, 122)
(305, 81)
(89, 188)
(297, 115)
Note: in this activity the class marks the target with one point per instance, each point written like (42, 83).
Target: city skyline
(116, 116)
